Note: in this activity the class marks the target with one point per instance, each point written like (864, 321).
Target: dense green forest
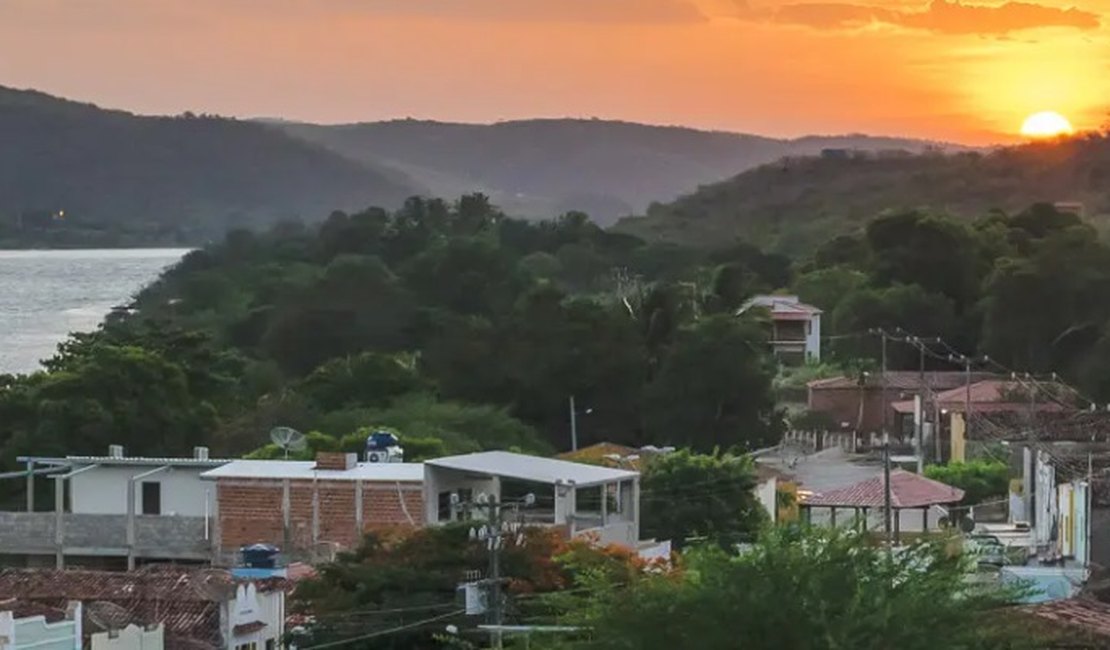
(796, 203)
(464, 329)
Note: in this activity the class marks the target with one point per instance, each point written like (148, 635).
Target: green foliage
(687, 495)
(980, 480)
(803, 589)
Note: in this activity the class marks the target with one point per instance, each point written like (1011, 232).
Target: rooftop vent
(115, 451)
(200, 453)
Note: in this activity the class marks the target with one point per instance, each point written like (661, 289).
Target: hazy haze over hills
(542, 167)
(192, 175)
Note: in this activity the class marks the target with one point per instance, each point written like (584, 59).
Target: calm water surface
(45, 295)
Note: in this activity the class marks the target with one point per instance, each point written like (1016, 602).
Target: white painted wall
(103, 490)
(813, 339)
(250, 606)
(131, 637)
(766, 493)
(34, 633)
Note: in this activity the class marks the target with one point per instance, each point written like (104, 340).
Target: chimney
(115, 451)
(336, 460)
(200, 453)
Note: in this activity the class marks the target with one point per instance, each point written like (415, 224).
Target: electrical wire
(380, 633)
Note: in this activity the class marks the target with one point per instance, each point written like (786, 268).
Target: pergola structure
(908, 491)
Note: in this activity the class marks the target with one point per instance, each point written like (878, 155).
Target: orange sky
(949, 70)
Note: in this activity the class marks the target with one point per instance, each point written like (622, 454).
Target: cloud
(940, 17)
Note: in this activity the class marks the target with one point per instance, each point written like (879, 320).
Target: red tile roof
(186, 601)
(1090, 615)
(908, 490)
(992, 395)
(247, 628)
(903, 380)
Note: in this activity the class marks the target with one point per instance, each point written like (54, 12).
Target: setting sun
(1046, 124)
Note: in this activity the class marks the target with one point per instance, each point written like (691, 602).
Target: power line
(392, 630)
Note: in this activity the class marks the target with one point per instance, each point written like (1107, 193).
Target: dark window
(444, 506)
(152, 498)
(270, 644)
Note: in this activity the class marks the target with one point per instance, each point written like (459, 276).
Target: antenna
(288, 439)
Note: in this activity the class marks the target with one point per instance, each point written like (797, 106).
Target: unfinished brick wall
(251, 511)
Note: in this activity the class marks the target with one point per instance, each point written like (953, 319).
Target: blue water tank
(259, 556)
(381, 441)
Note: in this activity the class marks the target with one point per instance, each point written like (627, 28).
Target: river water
(45, 295)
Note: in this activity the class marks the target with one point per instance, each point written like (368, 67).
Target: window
(270, 644)
(152, 498)
(249, 646)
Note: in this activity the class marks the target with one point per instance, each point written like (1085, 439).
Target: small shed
(908, 491)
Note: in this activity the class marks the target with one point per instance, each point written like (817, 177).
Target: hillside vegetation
(66, 166)
(794, 205)
(536, 168)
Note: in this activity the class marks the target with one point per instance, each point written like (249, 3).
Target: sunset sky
(948, 70)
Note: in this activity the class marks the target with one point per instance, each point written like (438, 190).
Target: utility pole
(967, 398)
(573, 426)
(882, 386)
(887, 499)
(919, 424)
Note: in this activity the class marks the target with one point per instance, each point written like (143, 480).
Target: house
(857, 403)
(795, 327)
(27, 626)
(989, 396)
(114, 510)
(198, 609)
(312, 508)
(580, 499)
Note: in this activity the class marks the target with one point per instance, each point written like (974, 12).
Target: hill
(794, 204)
(537, 168)
(173, 178)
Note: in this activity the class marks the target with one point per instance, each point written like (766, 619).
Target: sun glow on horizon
(1046, 124)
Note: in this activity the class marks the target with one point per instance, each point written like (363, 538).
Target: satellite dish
(288, 439)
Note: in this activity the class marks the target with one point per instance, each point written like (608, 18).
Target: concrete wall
(131, 637)
(155, 537)
(103, 491)
(767, 493)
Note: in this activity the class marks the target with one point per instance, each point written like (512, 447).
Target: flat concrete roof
(306, 470)
(531, 468)
(141, 461)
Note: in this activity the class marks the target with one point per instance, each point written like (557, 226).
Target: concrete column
(131, 525)
(30, 486)
(358, 509)
(217, 533)
(285, 516)
(59, 521)
(636, 507)
(315, 514)
(605, 503)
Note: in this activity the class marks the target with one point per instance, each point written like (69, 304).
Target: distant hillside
(538, 168)
(181, 177)
(795, 204)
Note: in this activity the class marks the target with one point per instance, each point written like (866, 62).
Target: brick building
(313, 507)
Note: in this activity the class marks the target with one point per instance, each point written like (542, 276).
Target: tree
(395, 580)
(825, 288)
(713, 388)
(979, 479)
(687, 495)
(804, 589)
(365, 379)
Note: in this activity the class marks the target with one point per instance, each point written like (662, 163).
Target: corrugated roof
(306, 470)
(531, 468)
(908, 490)
(126, 460)
(781, 307)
